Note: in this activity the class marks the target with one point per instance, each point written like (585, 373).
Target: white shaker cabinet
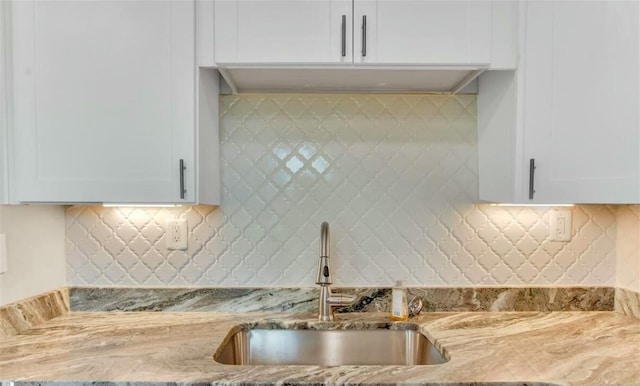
(421, 32)
(283, 32)
(359, 45)
(104, 102)
(326, 32)
(565, 127)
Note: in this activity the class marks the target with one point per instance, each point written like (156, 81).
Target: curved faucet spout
(324, 239)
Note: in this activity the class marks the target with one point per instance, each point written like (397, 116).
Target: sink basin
(328, 348)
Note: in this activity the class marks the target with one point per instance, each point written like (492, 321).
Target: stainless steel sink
(328, 348)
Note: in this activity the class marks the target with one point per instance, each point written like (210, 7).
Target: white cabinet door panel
(423, 32)
(104, 100)
(582, 100)
(572, 106)
(4, 118)
(293, 31)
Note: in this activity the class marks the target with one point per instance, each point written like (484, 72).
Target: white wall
(35, 249)
(628, 247)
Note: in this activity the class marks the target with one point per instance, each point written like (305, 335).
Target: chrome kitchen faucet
(328, 300)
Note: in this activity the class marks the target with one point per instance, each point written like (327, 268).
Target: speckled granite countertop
(563, 348)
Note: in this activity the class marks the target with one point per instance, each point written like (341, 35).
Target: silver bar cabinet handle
(344, 35)
(182, 189)
(364, 35)
(532, 169)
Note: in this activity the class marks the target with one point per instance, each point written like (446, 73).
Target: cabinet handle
(364, 36)
(532, 169)
(344, 35)
(182, 189)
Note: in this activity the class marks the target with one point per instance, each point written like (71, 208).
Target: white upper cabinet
(4, 190)
(353, 31)
(104, 101)
(360, 45)
(572, 108)
(283, 32)
(581, 92)
(422, 32)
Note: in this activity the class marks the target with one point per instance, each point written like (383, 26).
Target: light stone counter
(507, 348)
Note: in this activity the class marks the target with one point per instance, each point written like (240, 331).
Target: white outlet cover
(177, 234)
(560, 225)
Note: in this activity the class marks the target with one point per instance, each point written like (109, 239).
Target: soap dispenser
(399, 310)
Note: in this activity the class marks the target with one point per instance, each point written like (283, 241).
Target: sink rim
(315, 325)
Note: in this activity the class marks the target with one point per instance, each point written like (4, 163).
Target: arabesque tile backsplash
(395, 176)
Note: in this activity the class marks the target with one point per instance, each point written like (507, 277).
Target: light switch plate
(560, 225)
(177, 234)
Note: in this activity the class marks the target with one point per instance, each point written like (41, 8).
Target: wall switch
(560, 225)
(177, 234)
(4, 263)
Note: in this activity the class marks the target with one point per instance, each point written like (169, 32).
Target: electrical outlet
(177, 234)
(560, 225)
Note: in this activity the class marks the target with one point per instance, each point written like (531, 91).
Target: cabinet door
(288, 32)
(582, 97)
(422, 32)
(103, 100)
(4, 195)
